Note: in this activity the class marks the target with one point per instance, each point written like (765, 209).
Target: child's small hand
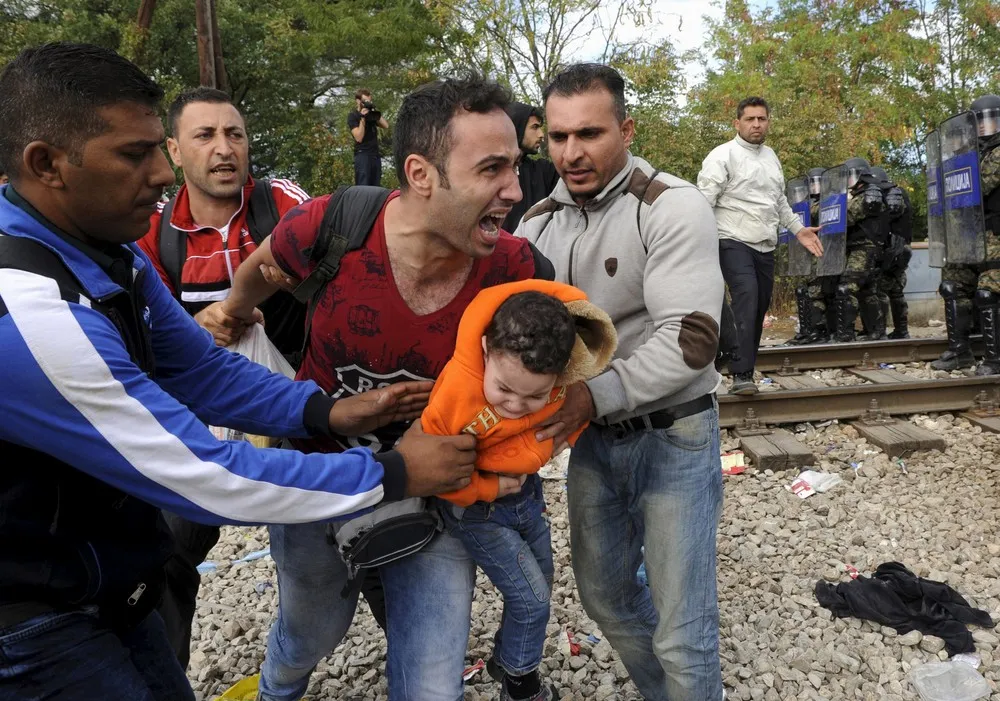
(510, 484)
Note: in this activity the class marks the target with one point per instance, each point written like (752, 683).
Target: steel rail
(845, 355)
(851, 402)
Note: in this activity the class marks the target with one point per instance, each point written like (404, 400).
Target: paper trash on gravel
(810, 482)
(733, 463)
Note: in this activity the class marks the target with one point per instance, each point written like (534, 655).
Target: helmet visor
(815, 184)
(989, 121)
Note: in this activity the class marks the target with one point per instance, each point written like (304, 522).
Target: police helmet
(855, 167)
(798, 190)
(879, 174)
(814, 176)
(987, 111)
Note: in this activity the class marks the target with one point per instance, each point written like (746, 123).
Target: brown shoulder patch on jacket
(640, 186)
(545, 206)
(699, 340)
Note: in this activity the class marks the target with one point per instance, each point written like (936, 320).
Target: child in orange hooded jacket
(519, 345)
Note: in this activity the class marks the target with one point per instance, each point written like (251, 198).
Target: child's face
(513, 390)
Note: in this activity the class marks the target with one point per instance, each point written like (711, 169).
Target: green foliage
(293, 65)
(844, 78)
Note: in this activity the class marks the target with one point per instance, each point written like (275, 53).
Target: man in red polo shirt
(215, 215)
(390, 315)
(212, 220)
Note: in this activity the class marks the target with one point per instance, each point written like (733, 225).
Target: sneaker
(493, 669)
(547, 692)
(743, 384)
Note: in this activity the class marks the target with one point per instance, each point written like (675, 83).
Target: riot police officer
(961, 283)
(856, 291)
(811, 295)
(896, 256)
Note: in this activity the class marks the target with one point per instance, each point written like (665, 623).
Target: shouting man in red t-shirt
(390, 315)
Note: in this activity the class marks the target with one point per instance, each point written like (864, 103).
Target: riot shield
(964, 224)
(936, 245)
(799, 258)
(781, 252)
(833, 222)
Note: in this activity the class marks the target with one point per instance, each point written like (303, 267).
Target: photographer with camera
(364, 123)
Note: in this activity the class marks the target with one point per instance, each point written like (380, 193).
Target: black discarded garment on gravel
(897, 598)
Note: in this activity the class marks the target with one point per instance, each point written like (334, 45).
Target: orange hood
(457, 403)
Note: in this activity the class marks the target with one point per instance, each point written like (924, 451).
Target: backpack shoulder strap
(262, 212)
(350, 214)
(173, 248)
(642, 198)
(20, 253)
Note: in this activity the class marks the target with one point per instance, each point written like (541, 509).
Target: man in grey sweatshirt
(643, 246)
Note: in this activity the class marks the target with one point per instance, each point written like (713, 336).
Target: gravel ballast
(938, 517)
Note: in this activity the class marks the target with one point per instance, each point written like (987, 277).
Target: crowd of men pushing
(110, 381)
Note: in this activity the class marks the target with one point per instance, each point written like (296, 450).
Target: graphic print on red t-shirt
(363, 334)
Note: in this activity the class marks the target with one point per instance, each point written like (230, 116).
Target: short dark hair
(752, 101)
(53, 92)
(423, 124)
(535, 328)
(189, 97)
(362, 91)
(584, 77)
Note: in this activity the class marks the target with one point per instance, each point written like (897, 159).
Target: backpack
(262, 217)
(392, 530)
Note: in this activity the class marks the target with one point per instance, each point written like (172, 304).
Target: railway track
(844, 355)
(884, 391)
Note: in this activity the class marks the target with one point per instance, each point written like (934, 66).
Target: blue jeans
(510, 540)
(74, 657)
(367, 168)
(428, 598)
(662, 489)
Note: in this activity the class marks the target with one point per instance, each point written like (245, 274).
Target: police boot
(817, 317)
(806, 330)
(989, 322)
(846, 314)
(957, 320)
(831, 316)
(900, 321)
(872, 319)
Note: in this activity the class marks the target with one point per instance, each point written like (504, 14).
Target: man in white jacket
(743, 182)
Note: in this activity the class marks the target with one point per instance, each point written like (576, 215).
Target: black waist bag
(389, 533)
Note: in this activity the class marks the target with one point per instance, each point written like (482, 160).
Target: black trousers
(749, 275)
(367, 169)
(180, 597)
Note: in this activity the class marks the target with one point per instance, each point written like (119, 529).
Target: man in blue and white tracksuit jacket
(106, 388)
(104, 421)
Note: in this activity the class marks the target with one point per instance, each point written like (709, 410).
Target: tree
(525, 42)
(292, 65)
